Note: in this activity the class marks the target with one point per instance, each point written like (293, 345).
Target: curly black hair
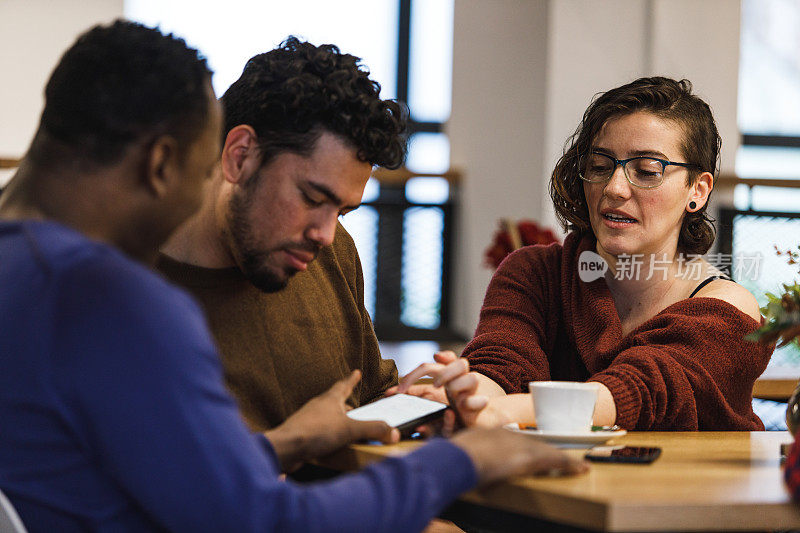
(119, 84)
(291, 94)
(665, 98)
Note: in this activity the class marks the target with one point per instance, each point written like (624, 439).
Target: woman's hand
(454, 384)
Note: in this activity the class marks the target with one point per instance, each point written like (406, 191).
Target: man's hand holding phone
(322, 426)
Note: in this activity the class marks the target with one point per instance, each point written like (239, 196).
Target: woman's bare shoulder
(734, 294)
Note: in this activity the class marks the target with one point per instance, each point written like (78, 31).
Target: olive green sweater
(279, 350)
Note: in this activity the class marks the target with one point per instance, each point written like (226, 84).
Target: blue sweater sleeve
(141, 385)
(398, 494)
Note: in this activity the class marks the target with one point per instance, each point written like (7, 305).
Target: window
(769, 91)
(766, 217)
(410, 246)
(401, 231)
(231, 32)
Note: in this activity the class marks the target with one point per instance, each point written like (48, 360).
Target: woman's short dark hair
(118, 84)
(667, 99)
(291, 94)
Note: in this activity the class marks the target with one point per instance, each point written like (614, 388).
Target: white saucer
(583, 439)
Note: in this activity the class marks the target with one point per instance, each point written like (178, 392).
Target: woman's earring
(692, 205)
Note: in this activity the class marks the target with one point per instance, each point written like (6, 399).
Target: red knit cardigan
(686, 368)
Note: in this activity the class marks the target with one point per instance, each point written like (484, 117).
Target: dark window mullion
(390, 217)
(786, 141)
(424, 127)
(391, 205)
(403, 49)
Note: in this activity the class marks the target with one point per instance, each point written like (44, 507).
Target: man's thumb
(375, 430)
(344, 387)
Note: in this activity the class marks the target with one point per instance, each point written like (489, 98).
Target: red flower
(512, 235)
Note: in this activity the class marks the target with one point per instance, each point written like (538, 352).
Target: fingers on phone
(393, 436)
(425, 369)
(421, 390)
(464, 384)
(474, 403)
(428, 392)
(450, 372)
(445, 357)
(375, 430)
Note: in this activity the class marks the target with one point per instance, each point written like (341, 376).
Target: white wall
(496, 131)
(589, 51)
(33, 35)
(554, 55)
(700, 41)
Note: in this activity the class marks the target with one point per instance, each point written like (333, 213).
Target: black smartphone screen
(623, 454)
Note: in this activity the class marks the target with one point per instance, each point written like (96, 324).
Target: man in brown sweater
(279, 277)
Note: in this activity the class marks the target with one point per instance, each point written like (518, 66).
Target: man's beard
(254, 263)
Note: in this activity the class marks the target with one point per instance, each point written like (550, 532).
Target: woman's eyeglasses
(643, 172)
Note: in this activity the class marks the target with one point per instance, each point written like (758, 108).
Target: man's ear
(161, 165)
(240, 155)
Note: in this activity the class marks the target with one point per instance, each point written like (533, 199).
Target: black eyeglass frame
(622, 162)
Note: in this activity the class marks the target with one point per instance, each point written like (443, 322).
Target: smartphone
(623, 454)
(402, 411)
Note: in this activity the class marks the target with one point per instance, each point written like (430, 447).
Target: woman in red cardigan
(661, 330)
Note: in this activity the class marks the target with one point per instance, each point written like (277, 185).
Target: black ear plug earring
(692, 205)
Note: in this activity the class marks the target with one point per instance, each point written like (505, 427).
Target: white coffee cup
(563, 406)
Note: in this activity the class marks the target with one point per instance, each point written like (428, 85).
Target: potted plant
(782, 326)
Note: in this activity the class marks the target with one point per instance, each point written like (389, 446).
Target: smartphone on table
(623, 454)
(401, 411)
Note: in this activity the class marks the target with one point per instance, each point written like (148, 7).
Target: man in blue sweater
(114, 414)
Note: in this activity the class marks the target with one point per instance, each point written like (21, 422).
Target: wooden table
(777, 383)
(713, 481)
